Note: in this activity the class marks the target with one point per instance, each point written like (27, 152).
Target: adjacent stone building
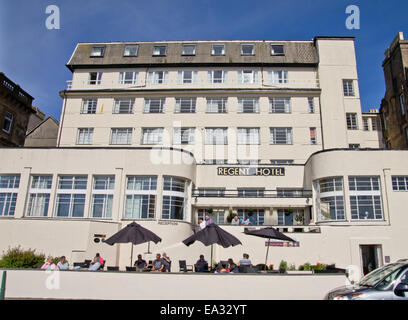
(394, 105)
(15, 111)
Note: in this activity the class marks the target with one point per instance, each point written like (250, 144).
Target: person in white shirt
(62, 264)
(201, 223)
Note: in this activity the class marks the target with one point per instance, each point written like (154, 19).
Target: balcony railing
(256, 193)
(98, 84)
(15, 90)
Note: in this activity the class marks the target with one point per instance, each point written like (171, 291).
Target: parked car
(389, 282)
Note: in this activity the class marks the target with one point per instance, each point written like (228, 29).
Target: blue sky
(35, 57)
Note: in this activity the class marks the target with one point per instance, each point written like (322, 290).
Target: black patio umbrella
(270, 233)
(213, 234)
(134, 233)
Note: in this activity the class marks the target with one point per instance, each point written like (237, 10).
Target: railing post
(3, 286)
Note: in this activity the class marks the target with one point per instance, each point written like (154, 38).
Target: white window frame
(288, 135)
(8, 194)
(89, 106)
(158, 77)
(85, 136)
(158, 106)
(158, 53)
(97, 52)
(152, 136)
(184, 46)
(244, 109)
(348, 88)
(123, 77)
(400, 183)
(72, 192)
(217, 80)
(118, 140)
(247, 76)
(213, 53)
(247, 45)
(280, 105)
(313, 135)
(216, 136)
(182, 79)
(374, 192)
(216, 105)
(127, 50)
(98, 79)
(184, 135)
(177, 190)
(123, 106)
(37, 200)
(248, 136)
(8, 119)
(180, 108)
(351, 120)
(273, 53)
(144, 192)
(107, 192)
(335, 190)
(311, 105)
(278, 76)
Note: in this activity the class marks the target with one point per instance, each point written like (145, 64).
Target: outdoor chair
(244, 269)
(113, 268)
(86, 263)
(205, 268)
(224, 263)
(130, 268)
(184, 267)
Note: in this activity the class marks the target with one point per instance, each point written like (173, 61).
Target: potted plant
(283, 266)
(230, 216)
(210, 211)
(299, 219)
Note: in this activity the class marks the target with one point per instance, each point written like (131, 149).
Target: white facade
(277, 137)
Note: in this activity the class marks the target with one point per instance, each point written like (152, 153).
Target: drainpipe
(3, 286)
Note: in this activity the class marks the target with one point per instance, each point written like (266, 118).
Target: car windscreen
(373, 277)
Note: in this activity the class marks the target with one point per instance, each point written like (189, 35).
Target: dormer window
(218, 50)
(247, 49)
(189, 50)
(131, 50)
(160, 50)
(98, 51)
(277, 50)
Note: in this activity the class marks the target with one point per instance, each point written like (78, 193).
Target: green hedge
(19, 258)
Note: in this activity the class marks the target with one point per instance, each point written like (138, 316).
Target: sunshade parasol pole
(267, 251)
(131, 256)
(211, 261)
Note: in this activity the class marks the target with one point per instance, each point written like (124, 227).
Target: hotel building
(163, 133)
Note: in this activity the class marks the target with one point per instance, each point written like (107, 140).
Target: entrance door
(371, 257)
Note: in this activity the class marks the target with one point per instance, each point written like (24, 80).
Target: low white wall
(160, 286)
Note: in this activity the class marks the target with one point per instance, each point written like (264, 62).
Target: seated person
(232, 266)
(245, 221)
(167, 262)
(158, 264)
(201, 223)
(235, 221)
(49, 264)
(245, 260)
(62, 264)
(140, 263)
(220, 269)
(95, 264)
(201, 265)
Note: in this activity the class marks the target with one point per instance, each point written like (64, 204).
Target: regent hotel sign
(250, 171)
